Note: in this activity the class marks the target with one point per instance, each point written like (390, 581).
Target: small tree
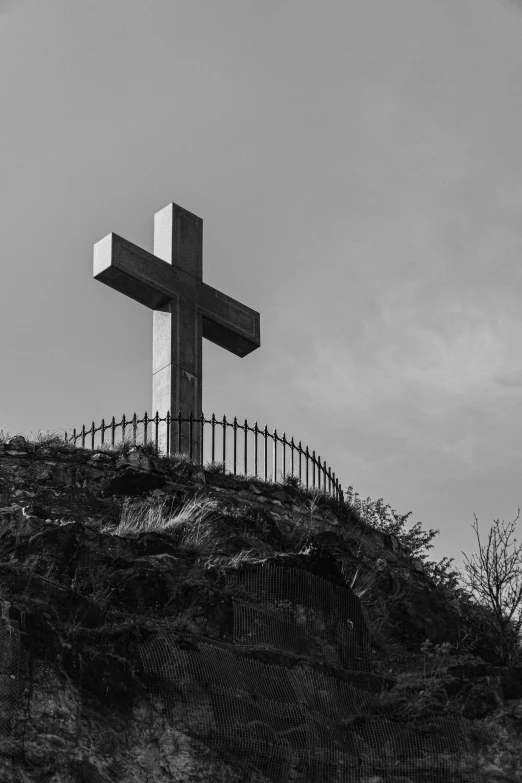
(497, 579)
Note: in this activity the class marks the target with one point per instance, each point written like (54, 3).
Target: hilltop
(167, 622)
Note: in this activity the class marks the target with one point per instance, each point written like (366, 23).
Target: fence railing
(284, 458)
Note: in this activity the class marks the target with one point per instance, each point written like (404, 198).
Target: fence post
(167, 421)
(179, 432)
(235, 444)
(224, 442)
(246, 430)
(313, 468)
(145, 425)
(307, 455)
(284, 455)
(156, 425)
(134, 429)
(202, 429)
(191, 428)
(274, 459)
(213, 424)
(102, 431)
(292, 453)
(256, 430)
(83, 436)
(74, 436)
(92, 436)
(300, 455)
(113, 431)
(266, 451)
(123, 425)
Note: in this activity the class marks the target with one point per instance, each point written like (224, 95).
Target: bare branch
(496, 577)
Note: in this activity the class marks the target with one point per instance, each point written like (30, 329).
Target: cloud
(5, 5)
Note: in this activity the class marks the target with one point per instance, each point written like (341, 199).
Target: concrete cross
(185, 309)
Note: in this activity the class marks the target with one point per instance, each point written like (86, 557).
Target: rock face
(224, 639)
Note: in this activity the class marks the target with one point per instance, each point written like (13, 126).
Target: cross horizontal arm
(227, 322)
(153, 282)
(139, 274)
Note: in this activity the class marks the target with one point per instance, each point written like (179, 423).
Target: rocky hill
(163, 622)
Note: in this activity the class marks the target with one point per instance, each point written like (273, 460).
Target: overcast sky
(358, 168)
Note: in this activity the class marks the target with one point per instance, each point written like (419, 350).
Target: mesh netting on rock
(291, 721)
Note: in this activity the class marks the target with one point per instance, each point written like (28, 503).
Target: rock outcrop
(162, 622)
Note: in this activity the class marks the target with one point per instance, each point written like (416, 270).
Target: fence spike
(224, 442)
(235, 444)
(256, 431)
(213, 424)
(274, 459)
(265, 434)
(201, 439)
(246, 453)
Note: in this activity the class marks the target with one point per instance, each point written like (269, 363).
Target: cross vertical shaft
(177, 340)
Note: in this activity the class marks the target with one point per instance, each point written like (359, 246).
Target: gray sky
(358, 169)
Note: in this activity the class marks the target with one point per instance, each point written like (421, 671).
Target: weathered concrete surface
(186, 309)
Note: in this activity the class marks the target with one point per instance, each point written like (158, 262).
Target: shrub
(416, 540)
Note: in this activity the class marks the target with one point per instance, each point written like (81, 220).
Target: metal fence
(250, 456)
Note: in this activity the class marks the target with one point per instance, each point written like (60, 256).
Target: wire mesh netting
(280, 722)
(9, 676)
(327, 623)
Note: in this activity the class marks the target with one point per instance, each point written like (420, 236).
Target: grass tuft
(178, 458)
(196, 521)
(215, 467)
(4, 435)
(292, 481)
(54, 438)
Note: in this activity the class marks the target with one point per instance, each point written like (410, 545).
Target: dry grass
(215, 467)
(53, 438)
(197, 521)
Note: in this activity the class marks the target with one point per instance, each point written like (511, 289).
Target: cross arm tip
(103, 251)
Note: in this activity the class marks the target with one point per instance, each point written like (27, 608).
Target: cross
(185, 309)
